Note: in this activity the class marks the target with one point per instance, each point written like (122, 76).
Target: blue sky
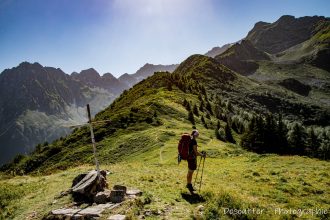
(120, 36)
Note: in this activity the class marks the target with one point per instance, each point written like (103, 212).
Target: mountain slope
(39, 103)
(241, 57)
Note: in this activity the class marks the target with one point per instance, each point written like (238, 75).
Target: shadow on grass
(192, 199)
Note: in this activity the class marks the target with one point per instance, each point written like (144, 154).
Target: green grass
(233, 178)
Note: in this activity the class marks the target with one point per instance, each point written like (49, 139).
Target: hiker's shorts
(192, 164)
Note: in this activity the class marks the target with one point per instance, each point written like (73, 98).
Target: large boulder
(86, 186)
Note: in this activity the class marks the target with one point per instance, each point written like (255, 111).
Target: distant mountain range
(38, 104)
(217, 50)
(144, 72)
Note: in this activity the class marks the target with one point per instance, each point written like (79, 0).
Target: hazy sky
(119, 36)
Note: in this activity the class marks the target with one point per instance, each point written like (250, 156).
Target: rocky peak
(217, 50)
(286, 32)
(286, 19)
(108, 76)
(90, 73)
(259, 25)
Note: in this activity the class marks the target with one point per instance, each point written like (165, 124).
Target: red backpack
(183, 147)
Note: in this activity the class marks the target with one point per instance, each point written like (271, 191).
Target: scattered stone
(147, 213)
(102, 197)
(119, 187)
(198, 212)
(117, 196)
(93, 211)
(131, 196)
(63, 193)
(200, 208)
(135, 192)
(32, 215)
(65, 212)
(85, 213)
(117, 217)
(90, 188)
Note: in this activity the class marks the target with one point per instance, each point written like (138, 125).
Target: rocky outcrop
(241, 57)
(286, 32)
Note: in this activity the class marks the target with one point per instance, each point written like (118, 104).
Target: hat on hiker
(195, 133)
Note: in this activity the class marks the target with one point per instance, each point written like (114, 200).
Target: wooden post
(93, 140)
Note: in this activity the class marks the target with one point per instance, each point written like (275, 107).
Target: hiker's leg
(189, 176)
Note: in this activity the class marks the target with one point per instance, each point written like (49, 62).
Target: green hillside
(139, 146)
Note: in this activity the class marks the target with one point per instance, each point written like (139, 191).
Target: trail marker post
(93, 140)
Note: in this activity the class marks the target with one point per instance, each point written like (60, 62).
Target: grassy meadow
(233, 178)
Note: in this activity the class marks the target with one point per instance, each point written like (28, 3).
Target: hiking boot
(190, 187)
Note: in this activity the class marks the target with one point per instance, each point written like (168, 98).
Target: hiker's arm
(197, 153)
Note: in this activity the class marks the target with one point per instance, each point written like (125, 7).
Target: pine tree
(202, 119)
(313, 142)
(297, 139)
(169, 86)
(191, 117)
(270, 142)
(218, 125)
(209, 107)
(220, 134)
(229, 106)
(201, 107)
(253, 138)
(282, 133)
(229, 136)
(195, 109)
(185, 102)
(188, 106)
(324, 150)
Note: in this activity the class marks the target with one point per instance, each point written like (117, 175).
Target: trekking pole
(200, 184)
(200, 161)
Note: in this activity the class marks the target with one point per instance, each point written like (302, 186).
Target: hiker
(192, 159)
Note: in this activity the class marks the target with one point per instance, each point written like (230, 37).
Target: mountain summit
(286, 32)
